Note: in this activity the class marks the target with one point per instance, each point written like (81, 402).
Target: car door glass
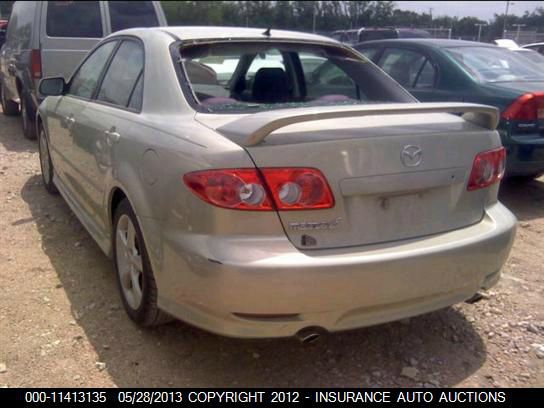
(370, 53)
(331, 82)
(137, 94)
(310, 62)
(84, 82)
(402, 65)
(426, 77)
(122, 74)
(73, 19)
(127, 14)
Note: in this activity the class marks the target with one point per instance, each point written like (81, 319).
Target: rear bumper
(264, 287)
(525, 156)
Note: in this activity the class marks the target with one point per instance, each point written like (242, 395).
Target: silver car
(263, 183)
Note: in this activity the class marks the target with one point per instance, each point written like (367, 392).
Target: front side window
(495, 64)
(84, 82)
(74, 19)
(122, 75)
(128, 14)
(252, 76)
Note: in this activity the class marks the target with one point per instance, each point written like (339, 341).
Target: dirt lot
(62, 324)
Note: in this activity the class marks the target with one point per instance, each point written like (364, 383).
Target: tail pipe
(309, 335)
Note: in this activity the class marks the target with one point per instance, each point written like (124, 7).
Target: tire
(134, 274)
(46, 164)
(10, 108)
(28, 116)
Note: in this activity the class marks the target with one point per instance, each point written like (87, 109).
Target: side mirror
(53, 86)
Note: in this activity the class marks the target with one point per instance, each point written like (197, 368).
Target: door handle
(112, 136)
(69, 121)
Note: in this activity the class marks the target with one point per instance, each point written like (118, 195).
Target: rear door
(69, 29)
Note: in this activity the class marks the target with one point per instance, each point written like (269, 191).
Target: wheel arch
(40, 123)
(117, 194)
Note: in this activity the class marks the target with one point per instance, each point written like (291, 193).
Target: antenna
(267, 32)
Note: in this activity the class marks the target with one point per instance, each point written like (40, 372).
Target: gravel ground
(62, 324)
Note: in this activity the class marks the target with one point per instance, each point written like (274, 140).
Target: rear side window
(86, 79)
(404, 66)
(137, 94)
(127, 14)
(426, 77)
(122, 75)
(370, 53)
(74, 19)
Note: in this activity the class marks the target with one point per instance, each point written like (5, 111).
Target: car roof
(427, 42)
(197, 33)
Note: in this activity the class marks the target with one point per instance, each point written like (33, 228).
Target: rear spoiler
(252, 129)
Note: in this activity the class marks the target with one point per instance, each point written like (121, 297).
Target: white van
(50, 38)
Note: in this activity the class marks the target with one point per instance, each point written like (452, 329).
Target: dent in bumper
(205, 281)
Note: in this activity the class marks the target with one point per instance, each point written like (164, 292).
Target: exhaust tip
(310, 335)
(475, 298)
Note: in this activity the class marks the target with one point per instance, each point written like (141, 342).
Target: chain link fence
(438, 32)
(523, 37)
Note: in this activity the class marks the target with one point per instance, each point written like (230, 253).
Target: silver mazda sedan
(263, 183)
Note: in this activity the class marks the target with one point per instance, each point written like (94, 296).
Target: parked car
(277, 201)
(46, 38)
(451, 70)
(377, 33)
(538, 47)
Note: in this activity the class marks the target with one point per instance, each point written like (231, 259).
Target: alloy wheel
(129, 262)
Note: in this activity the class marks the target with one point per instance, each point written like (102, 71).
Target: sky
(481, 9)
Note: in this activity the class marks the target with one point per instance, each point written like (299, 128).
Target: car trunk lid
(396, 171)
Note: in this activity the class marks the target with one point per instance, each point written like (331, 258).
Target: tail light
(488, 168)
(266, 189)
(528, 107)
(36, 64)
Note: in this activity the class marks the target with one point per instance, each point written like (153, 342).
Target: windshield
(254, 76)
(532, 55)
(494, 64)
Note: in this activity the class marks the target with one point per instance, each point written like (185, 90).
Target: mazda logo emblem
(411, 155)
